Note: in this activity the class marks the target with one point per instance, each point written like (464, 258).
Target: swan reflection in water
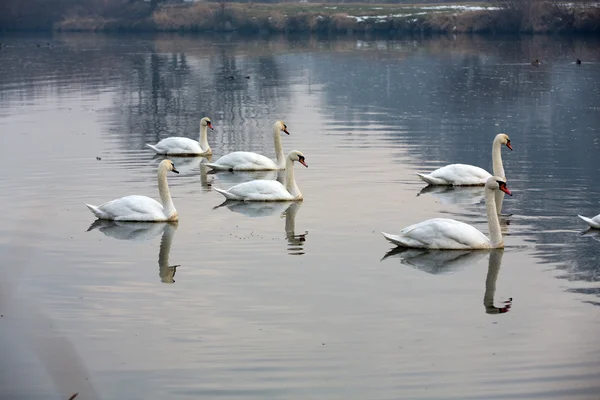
(286, 209)
(593, 233)
(462, 195)
(445, 261)
(191, 166)
(228, 179)
(454, 194)
(142, 231)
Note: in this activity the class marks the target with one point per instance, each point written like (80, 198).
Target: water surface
(298, 300)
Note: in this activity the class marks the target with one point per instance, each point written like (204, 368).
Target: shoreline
(541, 17)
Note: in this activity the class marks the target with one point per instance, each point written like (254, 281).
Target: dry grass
(532, 16)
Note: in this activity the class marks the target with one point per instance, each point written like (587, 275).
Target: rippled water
(297, 300)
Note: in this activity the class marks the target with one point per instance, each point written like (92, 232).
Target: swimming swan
(447, 234)
(249, 161)
(142, 208)
(470, 175)
(182, 146)
(592, 222)
(265, 190)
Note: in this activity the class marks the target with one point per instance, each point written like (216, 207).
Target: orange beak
(509, 146)
(505, 190)
(211, 127)
(286, 131)
(303, 163)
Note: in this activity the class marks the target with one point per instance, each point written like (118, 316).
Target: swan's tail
(397, 240)
(431, 180)
(153, 148)
(228, 196)
(96, 211)
(590, 222)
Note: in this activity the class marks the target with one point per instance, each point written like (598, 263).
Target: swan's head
(206, 122)
(281, 126)
(497, 183)
(296, 155)
(168, 165)
(504, 139)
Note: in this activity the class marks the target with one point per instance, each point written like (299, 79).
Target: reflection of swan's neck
(493, 222)
(204, 138)
(290, 181)
(490, 281)
(165, 272)
(204, 176)
(165, 195)
(290, 220)
(497, 166)
(278, 147)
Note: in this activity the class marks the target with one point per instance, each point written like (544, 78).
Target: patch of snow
(460, 7)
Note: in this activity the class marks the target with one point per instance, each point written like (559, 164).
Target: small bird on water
(578, 62)
(535, 63)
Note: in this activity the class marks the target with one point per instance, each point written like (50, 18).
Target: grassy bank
(502, 16)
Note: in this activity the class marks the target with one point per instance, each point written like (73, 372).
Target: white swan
(592, 222)
(265, 190)
(249, 161)
(142, 208)
(182, 146)
(470, 175)
(447, 234)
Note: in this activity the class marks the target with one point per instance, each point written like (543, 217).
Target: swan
(592, 222)
(249, 161)
(142, 208)
(182, 146)
(469, 175)
(265, 190)
(449, 234)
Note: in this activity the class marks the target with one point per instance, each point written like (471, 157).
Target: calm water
(297, 301)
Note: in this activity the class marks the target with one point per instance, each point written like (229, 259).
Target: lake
(298, 301)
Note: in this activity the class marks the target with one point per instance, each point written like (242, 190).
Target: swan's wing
(261, 190)
(180, 145)
(441, 233)
(133, 208)
(245, 161)
(461, 174)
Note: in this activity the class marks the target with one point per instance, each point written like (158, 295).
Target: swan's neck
(490, 281)
(493, 221)
(204, 138)
(165, 195)
(499, 199)
(497, 166)
(290, 181)
(278, 148)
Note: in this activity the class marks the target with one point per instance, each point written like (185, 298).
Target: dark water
(297, 301)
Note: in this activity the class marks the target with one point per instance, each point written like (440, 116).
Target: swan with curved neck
(182, 146)
(267, 190)
(470, 175)
(449, 234)
(142, 208)
(250, 161)
(592, 222)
